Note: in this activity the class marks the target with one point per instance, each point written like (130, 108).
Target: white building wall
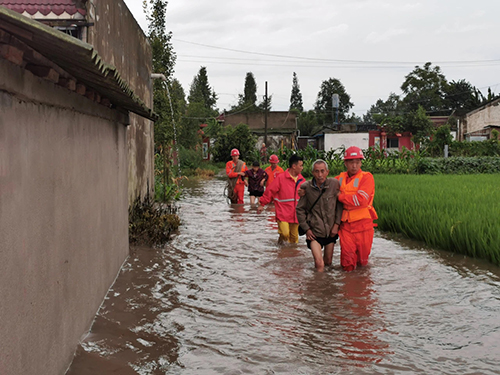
(336, 140)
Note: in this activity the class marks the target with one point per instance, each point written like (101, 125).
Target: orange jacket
(356, 193)
(230, 166)
(271, 175)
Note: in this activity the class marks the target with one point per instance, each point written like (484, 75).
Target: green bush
(239, 137)
(190, 159)
(490, 147)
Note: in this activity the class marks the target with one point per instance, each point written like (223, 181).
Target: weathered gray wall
(484, 116)
(63, 218)
(275, 120)
(120, 41)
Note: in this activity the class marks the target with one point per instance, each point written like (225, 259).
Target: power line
(294, 65)
(336, 60)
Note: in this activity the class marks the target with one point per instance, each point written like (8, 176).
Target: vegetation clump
(152, 223)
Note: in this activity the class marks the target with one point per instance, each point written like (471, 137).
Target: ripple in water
(223, 298)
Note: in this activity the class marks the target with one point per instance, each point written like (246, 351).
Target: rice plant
(459, 213)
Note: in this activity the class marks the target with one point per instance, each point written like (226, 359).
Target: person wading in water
(284, 192)
(235, 170)
(273, 170)
(357, 189)
(319, 213)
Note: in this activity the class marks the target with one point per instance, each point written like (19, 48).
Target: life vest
(351, 188)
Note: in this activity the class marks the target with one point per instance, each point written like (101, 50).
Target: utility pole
(335, 105)
(265, 117)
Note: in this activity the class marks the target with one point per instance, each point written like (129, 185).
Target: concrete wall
(276, 120)
(336, 140)
(480, 118)
(275, 141)
(121, 42)
(63, 218)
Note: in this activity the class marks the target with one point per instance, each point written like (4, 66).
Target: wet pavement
(224, 298)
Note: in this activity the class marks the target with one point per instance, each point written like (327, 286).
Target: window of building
(74, 31)
(393, 143)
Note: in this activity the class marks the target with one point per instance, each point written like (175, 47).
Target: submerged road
(224, 298)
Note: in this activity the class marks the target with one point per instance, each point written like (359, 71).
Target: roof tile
(45, 7)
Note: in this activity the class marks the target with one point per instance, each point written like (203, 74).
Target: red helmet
(235, 152)
(273, 159)
(353, 152)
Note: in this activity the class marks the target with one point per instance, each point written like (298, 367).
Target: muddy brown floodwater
(223, 298)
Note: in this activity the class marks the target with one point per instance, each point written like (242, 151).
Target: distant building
(477, 125)
(379, 138)
(281, 126)
(336, 136)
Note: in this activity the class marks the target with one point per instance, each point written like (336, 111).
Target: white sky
(369, 45)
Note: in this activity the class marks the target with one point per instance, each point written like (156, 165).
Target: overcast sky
(369, 45)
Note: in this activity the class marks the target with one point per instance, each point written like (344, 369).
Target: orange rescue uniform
(271, 175)
(240, 183)
(356, 229)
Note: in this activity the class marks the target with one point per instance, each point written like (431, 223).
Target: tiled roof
(80, 60)
(45, 7)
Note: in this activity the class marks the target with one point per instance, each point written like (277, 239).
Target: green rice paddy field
(459, 213)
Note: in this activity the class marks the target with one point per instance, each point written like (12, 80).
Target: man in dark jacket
(319, 213)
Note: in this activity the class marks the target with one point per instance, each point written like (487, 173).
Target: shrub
(151, 223)
(238, 137)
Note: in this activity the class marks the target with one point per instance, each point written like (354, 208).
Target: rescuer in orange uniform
(235, 170)
(284, 191)
(273, 170)
(357, 189)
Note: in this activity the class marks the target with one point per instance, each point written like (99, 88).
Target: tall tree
(390, 107)
(164, 57)
(462, 97)
(201, 107)
(419, 124)
(307, 122)
(250, 90)
(247, 102)
(296, 96)
(266, 103)
(201, 92)
(491, 96)
(325, 112)
(425, 86)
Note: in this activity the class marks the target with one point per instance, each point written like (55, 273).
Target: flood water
(224, 298)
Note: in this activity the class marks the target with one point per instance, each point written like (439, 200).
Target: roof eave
(77, 58)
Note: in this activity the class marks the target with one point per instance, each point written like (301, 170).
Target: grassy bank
(459, 213)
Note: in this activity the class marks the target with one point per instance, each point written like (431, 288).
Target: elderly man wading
(319, 213)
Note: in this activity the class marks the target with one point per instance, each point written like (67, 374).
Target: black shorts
(323, 241)
(256, 193)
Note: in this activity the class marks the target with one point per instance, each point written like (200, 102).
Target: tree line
(425, 92)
